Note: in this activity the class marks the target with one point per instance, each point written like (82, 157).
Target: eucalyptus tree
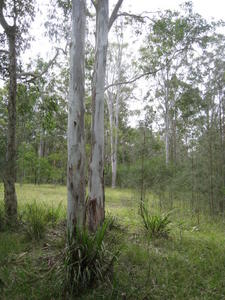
(76, 144)
(96, 198)
(116, 94)
(169, 44)
(210, 153)
(15, 17)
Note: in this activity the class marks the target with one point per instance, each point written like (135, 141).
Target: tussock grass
(38, 217)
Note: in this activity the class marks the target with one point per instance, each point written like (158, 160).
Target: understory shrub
(156, 226)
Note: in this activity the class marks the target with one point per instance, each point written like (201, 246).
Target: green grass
(189, 264)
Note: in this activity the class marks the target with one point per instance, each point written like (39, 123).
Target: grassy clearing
(190, 264)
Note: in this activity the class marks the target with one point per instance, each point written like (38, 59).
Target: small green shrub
(156, 225)
(35, 221)
(86, 260)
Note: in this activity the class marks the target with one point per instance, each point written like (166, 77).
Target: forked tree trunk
(76, 143)
(96, 197)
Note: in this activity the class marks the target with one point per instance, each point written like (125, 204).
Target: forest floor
(189, 264)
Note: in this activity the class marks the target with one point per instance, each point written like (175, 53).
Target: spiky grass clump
(37, 217)
(86, 260)
(156, 226)
(35, 221)
(53, 214)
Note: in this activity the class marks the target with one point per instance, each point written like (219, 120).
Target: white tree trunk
(96, 197)
(76, 143)
(114, 98)
(95, 209)
(113, 136)
(114, 160)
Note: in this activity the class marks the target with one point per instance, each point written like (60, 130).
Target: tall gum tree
(10, 169)
(116, 95)
(76, 143)
(171, 40)
(15, 17)
(95, 210)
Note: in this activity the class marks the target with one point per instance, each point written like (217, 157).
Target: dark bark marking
(79, 164)
(95, 214)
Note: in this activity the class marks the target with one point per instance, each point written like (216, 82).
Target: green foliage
(156, 225)
(86, 259)
(34, 169)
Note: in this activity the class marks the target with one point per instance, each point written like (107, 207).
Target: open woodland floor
(189, 264)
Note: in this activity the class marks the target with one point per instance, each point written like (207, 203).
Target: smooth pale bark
(109, 101)
(113, 124)
(95, 209)
(113, 102)
(76, 143)
(117, 109)
(10, 197)
(96, 197)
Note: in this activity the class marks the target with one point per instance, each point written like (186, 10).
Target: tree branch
(114, 13)
(94, 3)
(4, 51)
(132, 80)
(36, 75)
(3, 22)
(139, 18)
(152, 72)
